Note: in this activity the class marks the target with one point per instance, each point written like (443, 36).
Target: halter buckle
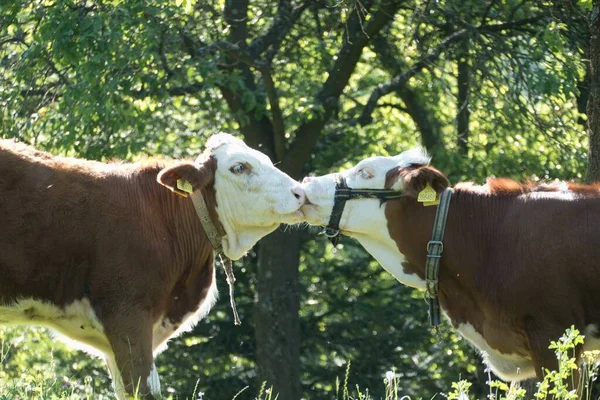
(437, 243)
(330, 233)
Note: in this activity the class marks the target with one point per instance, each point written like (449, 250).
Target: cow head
(252, 196)
(407, 173)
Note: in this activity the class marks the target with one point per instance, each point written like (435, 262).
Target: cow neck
(472, 223)
(179, 230)
(215, 234)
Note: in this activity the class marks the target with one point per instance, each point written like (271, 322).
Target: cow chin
(315, 215)
(292, 218)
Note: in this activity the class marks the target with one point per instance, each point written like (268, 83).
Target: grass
(43, 381)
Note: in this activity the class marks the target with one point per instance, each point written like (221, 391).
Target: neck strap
(215, 235)
(435, 247)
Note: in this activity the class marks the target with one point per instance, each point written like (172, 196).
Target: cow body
(519, 262)
(107, 256)
(517, 270)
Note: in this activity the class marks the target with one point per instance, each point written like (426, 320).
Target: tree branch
(358, 37)
(278, 125)
(284, 21)
(487, 10)
(191, 88)
(428, 125)
(401, 79)
(236, 15)
(162, 55)
(509, 25)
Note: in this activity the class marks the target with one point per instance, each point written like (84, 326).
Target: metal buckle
(330, 233)
(431, 288)
(436, 242)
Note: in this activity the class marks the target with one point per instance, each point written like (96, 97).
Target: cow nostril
(299, 194)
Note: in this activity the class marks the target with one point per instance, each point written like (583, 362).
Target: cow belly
(77, 323)
(165, 329)
(509, 367)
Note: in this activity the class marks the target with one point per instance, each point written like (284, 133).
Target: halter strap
(342, 194)
(215, 235)
(435, 247)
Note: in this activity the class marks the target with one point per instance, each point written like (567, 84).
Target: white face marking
(77, 323)
(164, 330)
(509, 367)
(367, 174)
(154, 382)
(364, 219)
(253, 196)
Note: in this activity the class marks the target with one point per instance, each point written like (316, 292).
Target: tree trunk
(276, 313)
(593, 107)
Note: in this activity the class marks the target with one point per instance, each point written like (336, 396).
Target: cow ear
(415, 179)
(186, 177)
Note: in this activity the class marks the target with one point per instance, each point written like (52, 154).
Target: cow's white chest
(386, 252)
(77, 323)
(164, 329)
(509, 367)
(374, 236)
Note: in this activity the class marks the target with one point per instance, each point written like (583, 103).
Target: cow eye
(238, 168)
(364, 174)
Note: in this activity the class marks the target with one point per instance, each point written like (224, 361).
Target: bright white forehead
(414, 156)
(227, 148)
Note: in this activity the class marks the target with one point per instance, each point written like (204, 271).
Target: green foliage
(34, 366)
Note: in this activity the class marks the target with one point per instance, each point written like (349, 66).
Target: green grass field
(36, 366)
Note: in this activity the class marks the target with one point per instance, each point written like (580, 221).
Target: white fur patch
(164, 330)
(154, 382)
(417, 156)
(77, 323)
(564, 196)
(385, 251)
(509, 367)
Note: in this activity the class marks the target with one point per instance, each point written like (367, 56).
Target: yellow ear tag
(428, 196)
(184, 186)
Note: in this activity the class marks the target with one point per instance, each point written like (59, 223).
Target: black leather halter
(342, 194)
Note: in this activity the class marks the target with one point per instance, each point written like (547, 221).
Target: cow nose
(306, 179)
(299, 193)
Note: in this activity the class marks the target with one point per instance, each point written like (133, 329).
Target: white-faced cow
(519, 263)
(107, 256)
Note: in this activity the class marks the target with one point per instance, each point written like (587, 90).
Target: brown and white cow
(107, 256)
(519, 265)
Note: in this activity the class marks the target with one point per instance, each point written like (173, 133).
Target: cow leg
(132, 365)
(117, 379)
(530, 386)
